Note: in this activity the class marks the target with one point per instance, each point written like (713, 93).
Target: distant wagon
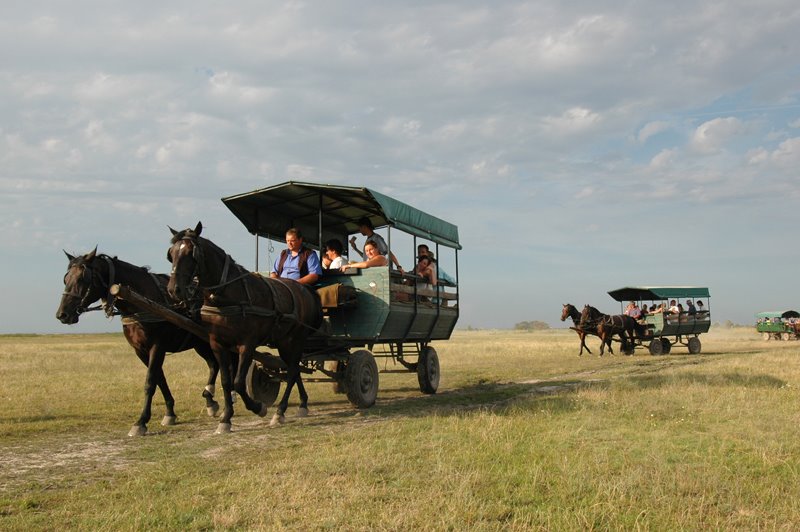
(665, 330)
(781, 325)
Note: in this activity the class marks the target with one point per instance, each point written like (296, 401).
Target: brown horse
(242, 311)
(569, 311)
(608, 326)
(87, 281)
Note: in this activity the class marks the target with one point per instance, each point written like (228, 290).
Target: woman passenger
(374, 258)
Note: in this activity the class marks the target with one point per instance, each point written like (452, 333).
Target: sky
(578, 146)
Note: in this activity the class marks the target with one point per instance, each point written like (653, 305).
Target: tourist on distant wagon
(373, 258)
(297, 261)
(673, 307)
(633, 310)
(691, 310)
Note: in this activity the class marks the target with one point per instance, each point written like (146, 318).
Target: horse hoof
(223, 428)
(168, 421)
(263, 411)
(302, 412)
(137, 430)
(213, 410)
(277, 420)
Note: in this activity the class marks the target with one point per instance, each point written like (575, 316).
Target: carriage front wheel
(428, 370)
(260, 386)
(656, 347)
(694, 345)
(361, 379)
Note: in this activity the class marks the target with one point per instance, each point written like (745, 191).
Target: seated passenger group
(674, 308)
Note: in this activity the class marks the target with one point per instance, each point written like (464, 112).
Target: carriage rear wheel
(260, 386)
(666, 345)
(428, 370)
(361, 379)
(766, 336)
(656, 347)
(694, 345)
(785, 337)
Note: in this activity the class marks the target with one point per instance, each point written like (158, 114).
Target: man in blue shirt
(297, 261)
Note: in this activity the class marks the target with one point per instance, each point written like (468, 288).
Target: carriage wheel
(656, 347)
(260, 386)
(766, 336)
(785, 337)
(666, 345)
(428, 370)
(361, 379)
(694, 345)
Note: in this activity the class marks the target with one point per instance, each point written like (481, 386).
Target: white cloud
(571, 121)
(651, 129)
(710, 137)
(663, 158)
(788, 153)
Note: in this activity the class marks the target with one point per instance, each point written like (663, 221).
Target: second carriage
(665, 330)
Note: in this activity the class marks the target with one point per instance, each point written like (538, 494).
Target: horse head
(569, 311)
(82, 287)
(186, 255)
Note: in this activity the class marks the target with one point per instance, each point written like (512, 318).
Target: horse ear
(173, 231)
(70, 257)
(198, 228)
(91, 255)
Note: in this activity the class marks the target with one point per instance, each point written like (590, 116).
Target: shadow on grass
(723, 379)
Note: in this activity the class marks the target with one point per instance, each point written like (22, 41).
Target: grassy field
(522, 435)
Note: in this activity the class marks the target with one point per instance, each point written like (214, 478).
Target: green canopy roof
(269, 212)
(651, 293)
(779, 314)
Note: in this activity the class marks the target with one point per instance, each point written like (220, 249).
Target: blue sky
(580, 147)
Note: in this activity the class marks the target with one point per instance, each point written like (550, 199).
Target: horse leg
(582, 336)
(153, 358)
(279, 417)
(224, 362)
(302, 411)
(240, 384)
(212, 406)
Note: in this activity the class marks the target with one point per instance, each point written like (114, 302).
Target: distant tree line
(531, 326)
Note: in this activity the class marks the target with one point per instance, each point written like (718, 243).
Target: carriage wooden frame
(664, 330)
(391, 316)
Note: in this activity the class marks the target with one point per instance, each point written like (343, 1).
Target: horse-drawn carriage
(365, 314)
(663, 329)
(783, 325)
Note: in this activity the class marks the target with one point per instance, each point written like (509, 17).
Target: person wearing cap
(366, 228)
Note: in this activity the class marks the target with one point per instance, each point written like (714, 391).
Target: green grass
(523, 434)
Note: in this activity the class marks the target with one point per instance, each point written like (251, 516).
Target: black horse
(607, 326)
(88, 280)
(242, 311)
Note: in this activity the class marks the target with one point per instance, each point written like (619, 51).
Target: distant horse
(569, 311)
(242, 311)
(608, 326)
(88, 280)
